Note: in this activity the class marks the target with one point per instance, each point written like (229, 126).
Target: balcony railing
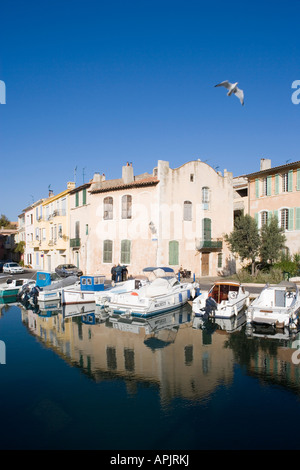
(209, 245)
(75, 242)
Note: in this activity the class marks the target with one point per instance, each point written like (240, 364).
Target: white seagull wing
(226, 84)
(240, 94)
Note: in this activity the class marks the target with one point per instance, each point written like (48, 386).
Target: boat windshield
(219, 292)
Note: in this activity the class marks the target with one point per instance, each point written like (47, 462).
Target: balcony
(209, 245)
(75, 242)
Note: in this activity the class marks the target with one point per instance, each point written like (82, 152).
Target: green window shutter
(276, 215)
(173, 253)
(125, 251)
(298, 179)
(297, 218)
(76, 199)
(291, 219)
(257, 187)
(269, 185)
(256, 217)
(206, 228)
(276, 184)
(290, 180)
(84, 196)
(107, 251)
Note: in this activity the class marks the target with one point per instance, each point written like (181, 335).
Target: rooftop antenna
(83, 174)
(75, 170)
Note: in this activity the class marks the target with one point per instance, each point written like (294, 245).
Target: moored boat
(102, 298)
(277, 305)
(11, 287)
(224, 300)
(84, 291)
(164, 293)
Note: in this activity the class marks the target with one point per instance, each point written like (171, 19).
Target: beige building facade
(172, 217)
(276, 191)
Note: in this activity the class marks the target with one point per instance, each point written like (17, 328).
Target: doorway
(205, 264)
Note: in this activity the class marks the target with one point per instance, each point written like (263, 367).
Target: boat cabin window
(220, 292)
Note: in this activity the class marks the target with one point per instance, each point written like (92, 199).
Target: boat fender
(188, 294)
(134, 293)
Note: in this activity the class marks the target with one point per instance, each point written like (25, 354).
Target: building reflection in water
(175, 352)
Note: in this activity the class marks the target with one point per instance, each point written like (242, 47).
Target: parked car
(12, 268)
(65, 270)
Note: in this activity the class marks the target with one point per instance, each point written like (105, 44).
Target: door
(49, 263)
(205, 264)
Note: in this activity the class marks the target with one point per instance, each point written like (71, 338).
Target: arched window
(126, 207)
(107, 251)
(187, 210)
(263, 218)
(108, 208)
(173, 253)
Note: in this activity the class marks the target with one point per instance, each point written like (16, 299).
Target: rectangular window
(187, 210)
(173, 253)
(298, 179)
(220, 260)
(284, 219)
(108, 208)
(86, 229)
(126, 207)
(107, 251)
(257, 187)
(125, 251)
(297, 222)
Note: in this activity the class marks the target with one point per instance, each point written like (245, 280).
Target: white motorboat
(83, 291)
(277, 306)
(11, 287)
(45, 288)
(164, 293)
(224, 300)
(102, 298)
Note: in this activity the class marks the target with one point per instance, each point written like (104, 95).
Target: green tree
(244, 240)
(4, 222)
(272, 241)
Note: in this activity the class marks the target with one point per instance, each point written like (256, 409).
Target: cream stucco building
(172, 217)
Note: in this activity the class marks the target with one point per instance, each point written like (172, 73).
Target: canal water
(73, 379)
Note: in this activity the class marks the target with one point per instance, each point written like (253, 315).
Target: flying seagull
(232, 88)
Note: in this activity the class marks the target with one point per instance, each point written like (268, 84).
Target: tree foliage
(4, 222)
(272, 241)
(244, 240)
(250, 243)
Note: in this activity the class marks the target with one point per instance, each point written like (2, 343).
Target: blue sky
(94, 84)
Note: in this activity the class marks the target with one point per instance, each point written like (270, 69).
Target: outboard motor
(34, 293)
(210, 305)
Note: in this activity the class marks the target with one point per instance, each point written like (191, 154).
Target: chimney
(71, 185)
(97, 180)
(265, 164)
(127, 173)
(50, 193)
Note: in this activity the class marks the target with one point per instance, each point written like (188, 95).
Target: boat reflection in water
(180, 354)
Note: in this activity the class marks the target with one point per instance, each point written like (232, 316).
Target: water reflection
(176, 352)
